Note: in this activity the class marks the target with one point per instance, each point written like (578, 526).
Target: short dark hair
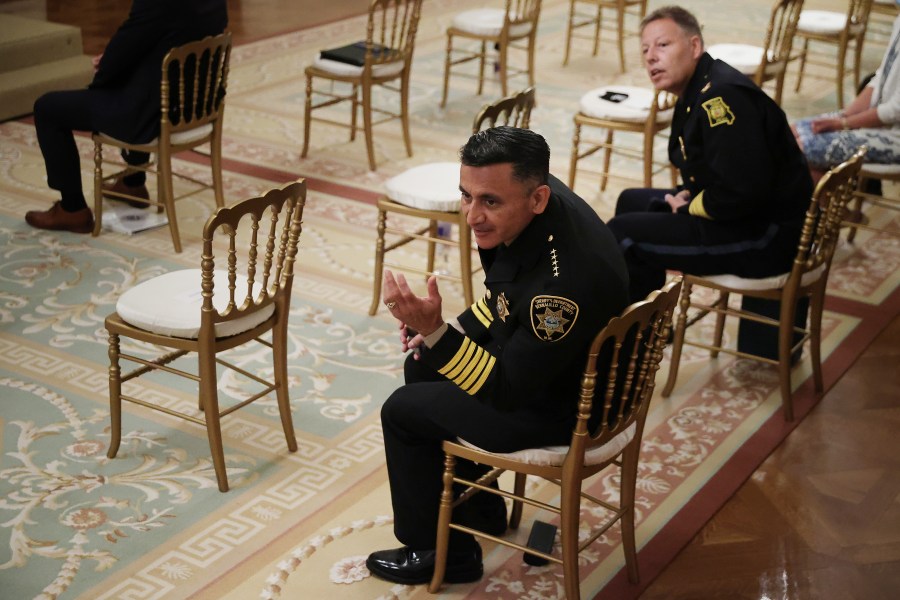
(681, 16)
(526, 150)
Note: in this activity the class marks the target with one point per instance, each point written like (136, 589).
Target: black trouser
(56, 116)
(417, 418)
(654, 239)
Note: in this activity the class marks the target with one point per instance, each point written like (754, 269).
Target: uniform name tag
(552, 317)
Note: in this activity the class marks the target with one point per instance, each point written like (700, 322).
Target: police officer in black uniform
(746, 183)
(505, 374)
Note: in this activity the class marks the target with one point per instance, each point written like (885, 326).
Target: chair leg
(481, 61)
(569, 32)
(648, 158)
(279, 358)
(447, 70)
(785, 341)
(443, 526)
(215, 156)
(379, 262)
(816, 309)
(598, 26)
(621, 28)
(432, 246)
(573, 161)
(515, 515)
(719, 331)
(404, 112)
(307, 116)
(115, 396)
(210, 401)
(465, 260)
(570, 517)
(680, 325)
(367, 125)
(858, 204)
(627, 486)
(841, 73)
(355, 114)
(167, 192)
(607, 156)
(802, 64)
(531, 50)
(98, 188)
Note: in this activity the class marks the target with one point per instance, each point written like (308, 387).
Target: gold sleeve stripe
(696, 207)
(479, 374)
(470, 367)
(482, 313)
(452, 369)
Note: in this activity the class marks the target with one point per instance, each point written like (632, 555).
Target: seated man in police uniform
(746, 183)
(505, 374)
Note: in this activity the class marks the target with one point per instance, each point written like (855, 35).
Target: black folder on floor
(352, 54)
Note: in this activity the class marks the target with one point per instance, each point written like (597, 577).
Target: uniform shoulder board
(552, 317)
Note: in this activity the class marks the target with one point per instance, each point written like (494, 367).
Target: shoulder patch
(552, 317)
(718, 112)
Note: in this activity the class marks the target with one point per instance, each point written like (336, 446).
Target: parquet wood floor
(820, 518)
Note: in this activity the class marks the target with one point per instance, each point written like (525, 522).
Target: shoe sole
(450, 576)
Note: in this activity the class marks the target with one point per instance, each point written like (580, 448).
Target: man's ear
(696, 47)
(539, 199)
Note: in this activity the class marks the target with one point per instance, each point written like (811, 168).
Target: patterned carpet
(151, 523)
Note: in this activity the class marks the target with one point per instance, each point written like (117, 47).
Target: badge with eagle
(552, 317)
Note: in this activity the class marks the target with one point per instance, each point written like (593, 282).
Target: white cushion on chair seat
(765, 283)
(341, 68)
(432, 186)
(880, 170)
(486, 22)
(636, 107)
(182, 137)
(170, 304)
(743, 57)
(555, 455)
(821, 21)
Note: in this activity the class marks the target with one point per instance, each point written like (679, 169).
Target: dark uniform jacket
(735, 150)
(547, 295)
(129, 71)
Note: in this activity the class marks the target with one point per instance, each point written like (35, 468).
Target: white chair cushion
(636, 107)
(881, 170)
(775, 282)
(821, 21)
(170, 304)
(555, 455)
(432, 186)
(487, 22)
(182, 137)
(743, 57)
(346, 69)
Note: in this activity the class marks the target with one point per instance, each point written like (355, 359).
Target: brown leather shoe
(57, 219)
(120, 187)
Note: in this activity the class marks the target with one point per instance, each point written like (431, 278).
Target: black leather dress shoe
(412, 567)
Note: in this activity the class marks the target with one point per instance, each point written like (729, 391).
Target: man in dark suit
(122, 101)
